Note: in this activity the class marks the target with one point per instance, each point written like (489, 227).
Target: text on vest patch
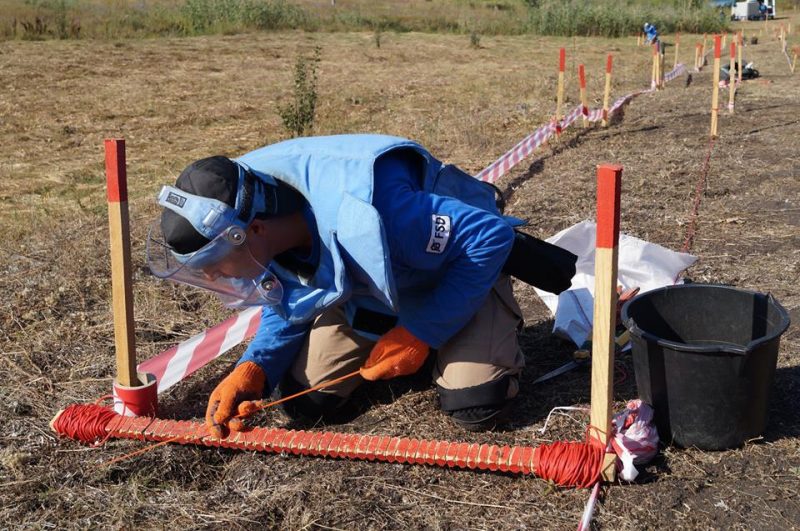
(440, 233)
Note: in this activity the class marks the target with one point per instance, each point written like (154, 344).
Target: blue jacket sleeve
(461, 246)
(275, 346)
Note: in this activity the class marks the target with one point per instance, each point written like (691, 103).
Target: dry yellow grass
(175, 100)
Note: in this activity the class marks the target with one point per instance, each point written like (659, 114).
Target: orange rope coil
(568, 464)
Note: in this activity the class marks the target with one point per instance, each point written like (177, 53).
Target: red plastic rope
(568, 464)
(84, 422)
(698, 198)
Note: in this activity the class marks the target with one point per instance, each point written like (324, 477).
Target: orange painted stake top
(655, 49)
(733, 50)
(609, 62)
(562, 59)
(582, 76)
(609, 184)
(116, 176)
(717, 46)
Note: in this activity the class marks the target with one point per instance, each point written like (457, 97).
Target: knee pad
(478, 408)
(494, 393)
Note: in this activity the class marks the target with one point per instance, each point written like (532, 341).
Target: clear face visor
(225, 266)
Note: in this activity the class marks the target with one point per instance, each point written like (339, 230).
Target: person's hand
(397, 353)
(234, 396)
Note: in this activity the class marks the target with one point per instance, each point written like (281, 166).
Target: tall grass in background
(111, 19)
(226, 16)
(615, 18)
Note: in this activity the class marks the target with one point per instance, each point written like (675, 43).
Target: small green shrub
(298, 115)
(474, 40)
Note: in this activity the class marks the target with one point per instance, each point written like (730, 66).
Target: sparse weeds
(298, 115)
(474, 40)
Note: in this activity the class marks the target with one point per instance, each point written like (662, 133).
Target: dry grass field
(175, 100)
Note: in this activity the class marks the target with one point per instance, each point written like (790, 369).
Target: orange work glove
(233, 397)
(397, 353)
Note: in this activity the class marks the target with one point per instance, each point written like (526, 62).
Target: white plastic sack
(641, 264)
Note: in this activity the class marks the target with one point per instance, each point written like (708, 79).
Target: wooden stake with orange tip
(732, 78)
(715, 93)
(562, 63)
(136, 397)
(119, 235)
(654, 70)
(607, 90)
(739, 62)
(697, 48)
(677, 46)
(584, 101)
(609, 184)
(705, 47)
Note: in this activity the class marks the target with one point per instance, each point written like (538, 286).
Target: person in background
(650, 33)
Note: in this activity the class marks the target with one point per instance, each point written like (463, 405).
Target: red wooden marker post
(131, 396)
(607, 91)
(739, 52)
(703, 50)
(609, 184)
(584, 101)
(654, 69)
(715, 93)
(562, 63)
(697, 48)
(732, 77)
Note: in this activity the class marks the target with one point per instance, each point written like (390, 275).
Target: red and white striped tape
(528, 144)
(178, 362)
(785, 51)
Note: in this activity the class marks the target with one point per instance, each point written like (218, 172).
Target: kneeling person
(365, 252)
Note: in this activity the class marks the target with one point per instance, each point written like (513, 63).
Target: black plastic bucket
(705, 358)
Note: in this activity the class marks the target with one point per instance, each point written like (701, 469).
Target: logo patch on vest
(440, 233)
(175, 199)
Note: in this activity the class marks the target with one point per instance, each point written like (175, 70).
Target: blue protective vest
(373, 241)
(335, 175)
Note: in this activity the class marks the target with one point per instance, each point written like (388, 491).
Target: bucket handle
(630, 324)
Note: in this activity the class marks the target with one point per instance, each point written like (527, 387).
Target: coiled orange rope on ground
(568, 464)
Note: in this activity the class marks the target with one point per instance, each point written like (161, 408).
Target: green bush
(298, 115)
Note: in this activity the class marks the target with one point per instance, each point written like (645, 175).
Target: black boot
(479, 408)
